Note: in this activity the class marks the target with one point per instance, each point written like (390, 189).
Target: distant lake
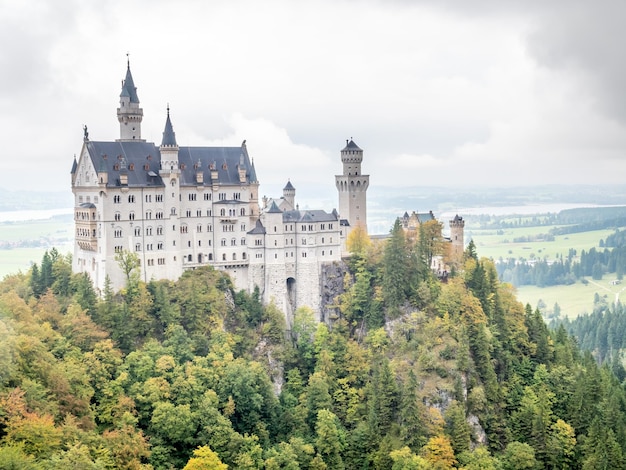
(22, 216)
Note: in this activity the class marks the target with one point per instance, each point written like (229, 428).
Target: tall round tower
(129, 114)
(457, 234)
(352, 186)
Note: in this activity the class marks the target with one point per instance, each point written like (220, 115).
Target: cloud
(442, 92)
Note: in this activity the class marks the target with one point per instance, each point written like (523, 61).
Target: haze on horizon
(435, 92)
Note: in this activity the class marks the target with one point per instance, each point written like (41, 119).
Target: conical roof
(169, 137)
(128, 87)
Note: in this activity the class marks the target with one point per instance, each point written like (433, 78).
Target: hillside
(412, 373)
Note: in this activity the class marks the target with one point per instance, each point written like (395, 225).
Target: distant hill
(32, 200)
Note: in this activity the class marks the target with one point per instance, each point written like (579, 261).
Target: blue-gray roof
(258, 229)
(350, 145)
(289, 186)
(143, 159)
(309, 216)
(169, 137)
(129, 88)
(273, 208)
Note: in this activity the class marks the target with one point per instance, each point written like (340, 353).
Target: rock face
(331, 280)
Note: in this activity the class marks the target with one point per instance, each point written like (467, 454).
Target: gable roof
(143, 162)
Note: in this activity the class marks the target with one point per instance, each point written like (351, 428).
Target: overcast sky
(435, 92)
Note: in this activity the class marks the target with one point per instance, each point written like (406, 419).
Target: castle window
(117, 216)
(159, 198)
(209, 242)
(210, 256)
(80, 199)
(243, 227)
(234, 256)
(137, 246)
(322, 252)
(233, 242)
(173, 211)
(331, 252)
(131, 216)
(243, 256)
(189, 258)
(188, 213)
(243, 241)
(137, 231)
(207, 196)
(148, 198)
(131, 198)
(223, 242)
(131, 167)
(148, 214)
(304, 228)
(322, 239)
(146, 167)
(275, 255)
(323, 227)
(275, 242)
(310, 228)
(198, 213)
(149, 231)
(242, 211)
(192, 196)
(274, 228)
(199, 258)
(160, 246)
(222, 212)
(199, 228)
(304, 241)
(223, 256)
(199, 242)
(209, 228)
(159, 230)
(222, 196)
(189, 244)
(116, 199)
(304, 254)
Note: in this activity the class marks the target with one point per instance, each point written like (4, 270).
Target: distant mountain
(33, 200)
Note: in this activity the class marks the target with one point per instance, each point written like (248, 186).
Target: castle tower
(170, 173)
(457, 234)
(129, 114)
(352, 186)
(289, 195)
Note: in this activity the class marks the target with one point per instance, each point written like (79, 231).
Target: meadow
(23, 243)
(574, 299)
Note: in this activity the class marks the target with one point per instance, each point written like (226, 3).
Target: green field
(24, 243)
(574, 299)
(491, 245)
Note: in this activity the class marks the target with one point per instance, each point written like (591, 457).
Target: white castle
(179, 208)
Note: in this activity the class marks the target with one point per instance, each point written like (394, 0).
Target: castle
(179, 208)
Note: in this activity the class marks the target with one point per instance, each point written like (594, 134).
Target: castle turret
(352, 187)
(129, 114)
(457, 234)
(289, 195)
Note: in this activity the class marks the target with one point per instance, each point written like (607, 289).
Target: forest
(412, 372)
(594, 263)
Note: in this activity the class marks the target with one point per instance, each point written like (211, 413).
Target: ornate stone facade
(179, 208)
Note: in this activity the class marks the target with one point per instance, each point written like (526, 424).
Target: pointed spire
(128, 85)
(169, 137)
(74, 165)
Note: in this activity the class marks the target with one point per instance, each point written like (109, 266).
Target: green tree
(205, 459)
(330, 439)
